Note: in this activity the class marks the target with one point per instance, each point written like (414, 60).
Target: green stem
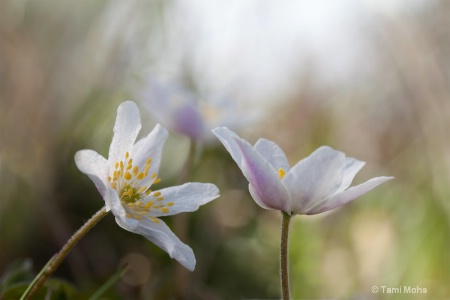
(108, 284)
(56, 260)
(284, 257)
(189, 163)
(181, 226)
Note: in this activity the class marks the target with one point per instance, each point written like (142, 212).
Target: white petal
(187, 197)
(161, 235)
(228, 139)
(344, 197)
(314, 178)
(257, 197)
(272, 154)
(351, 168)
(150, 147)
(126, 129)
(95, 166)
(266, 185)
(113, 203)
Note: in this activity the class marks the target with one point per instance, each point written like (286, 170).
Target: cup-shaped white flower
(125, 180)
(314, 185)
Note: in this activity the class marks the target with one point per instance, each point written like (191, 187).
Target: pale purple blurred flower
(314, 185)
(125, 178)
(184, 113)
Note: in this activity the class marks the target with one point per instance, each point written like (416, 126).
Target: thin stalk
(108, 284)
(284, 256)
(181, 226)
(56, 260)
(189, 163)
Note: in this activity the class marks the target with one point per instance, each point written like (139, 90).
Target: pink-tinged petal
(273, 154)
(228, 139)
(344, 197)
(257, 197)
(161, 235)
(150, 147)
(95, 166)
(126, 129)
(266, 185)
(314, 178)
(175, 107)
(188, 120)
(351, 168)
(186, 198)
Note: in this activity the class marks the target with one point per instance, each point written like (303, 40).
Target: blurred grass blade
(108, 284)
(35, 280)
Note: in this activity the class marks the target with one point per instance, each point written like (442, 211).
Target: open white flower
(125, 180)
(314, 185)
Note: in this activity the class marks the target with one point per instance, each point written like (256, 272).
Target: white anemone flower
(316, 184)
(184, 113)
(125, 181)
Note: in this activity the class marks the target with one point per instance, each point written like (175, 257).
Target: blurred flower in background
(182, 112)
(369, 77)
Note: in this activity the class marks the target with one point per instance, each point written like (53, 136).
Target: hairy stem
(56, 260)
(284, 256)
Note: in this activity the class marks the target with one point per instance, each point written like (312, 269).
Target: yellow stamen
(170, 204)
(164, 210)
(157, 180)
(156, 194)
(127, 176)
(281, 173)
(160, 198)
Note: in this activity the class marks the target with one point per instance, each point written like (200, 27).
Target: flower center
(136, 196)
(281, 173)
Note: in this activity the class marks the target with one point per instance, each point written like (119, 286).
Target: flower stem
(284, 259)
(189, 163)
(56, 260)
(181, 226)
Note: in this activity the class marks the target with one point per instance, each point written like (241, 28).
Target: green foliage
(17, 278)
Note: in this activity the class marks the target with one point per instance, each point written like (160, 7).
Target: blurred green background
(370, 78)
